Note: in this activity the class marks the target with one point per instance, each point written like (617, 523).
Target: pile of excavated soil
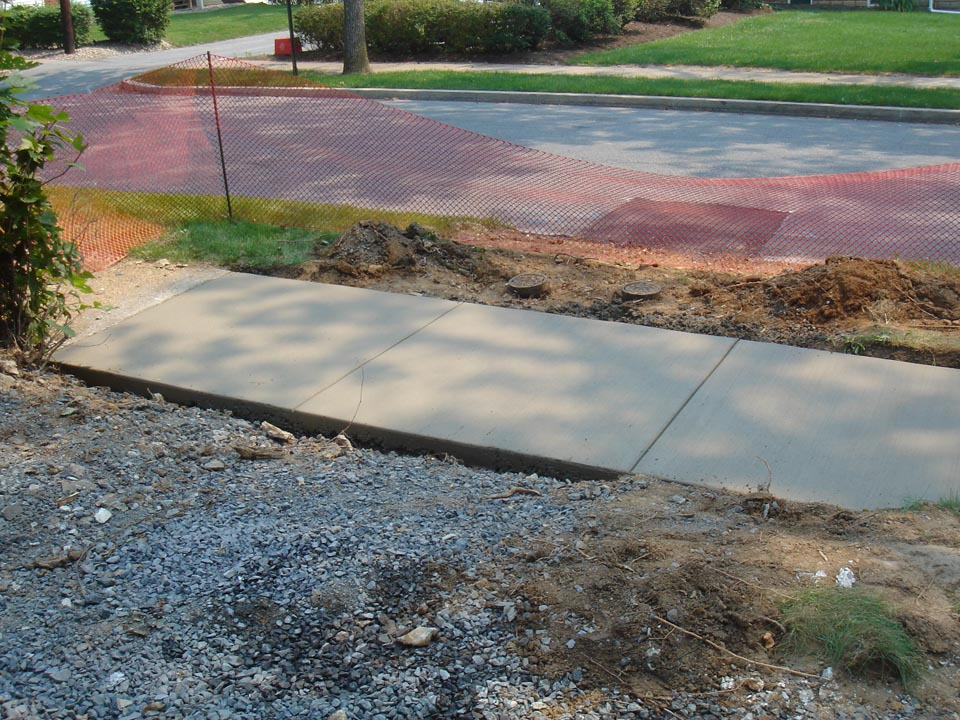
(881, 308)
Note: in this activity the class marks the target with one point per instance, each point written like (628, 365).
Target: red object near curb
(281, 46)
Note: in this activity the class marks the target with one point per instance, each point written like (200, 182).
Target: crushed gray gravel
(160, 561)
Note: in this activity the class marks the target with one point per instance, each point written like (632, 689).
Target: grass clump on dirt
(854, 630)
(950, 503)
(831, 41)
(236, 244)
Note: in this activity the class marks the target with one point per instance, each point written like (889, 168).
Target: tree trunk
(66, 22)
(354, 38)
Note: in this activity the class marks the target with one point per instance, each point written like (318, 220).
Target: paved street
(703, 144)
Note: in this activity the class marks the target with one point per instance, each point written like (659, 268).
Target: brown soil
(660, 568)
(670, 589)
(872, 307)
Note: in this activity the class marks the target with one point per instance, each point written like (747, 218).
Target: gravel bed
(149, 570)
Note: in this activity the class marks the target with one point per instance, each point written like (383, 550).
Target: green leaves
(40, 272)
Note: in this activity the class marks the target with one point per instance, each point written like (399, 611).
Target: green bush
(658, 10)
(520, 27)
(133, 21)
(320, 26)
(39, 27)
(576, 21)
(625, 11)
(429, 27)
(40, 272)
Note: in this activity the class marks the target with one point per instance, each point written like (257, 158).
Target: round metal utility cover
(641, 290)
(528, 284)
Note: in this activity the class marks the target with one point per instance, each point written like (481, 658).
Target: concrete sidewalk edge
(309, 423)
(660, 102)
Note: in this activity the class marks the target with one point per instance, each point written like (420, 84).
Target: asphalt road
(704, 144)
(668, 142)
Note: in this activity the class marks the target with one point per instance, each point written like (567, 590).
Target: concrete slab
(254, 339)
(857, 432)
(572, 391)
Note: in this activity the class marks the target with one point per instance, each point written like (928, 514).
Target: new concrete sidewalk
(518, 388)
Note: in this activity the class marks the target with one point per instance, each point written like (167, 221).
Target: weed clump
(853, 629)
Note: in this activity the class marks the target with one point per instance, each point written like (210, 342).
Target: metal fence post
(216, 115)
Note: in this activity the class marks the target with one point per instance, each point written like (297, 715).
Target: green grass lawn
(918, 43)
(840, 94)
(191, 28)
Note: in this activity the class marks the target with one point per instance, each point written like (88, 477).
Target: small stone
(103, 515)
(155, 706)
(673, 615)
(754, 684)
(343, 442)
(275, 433)
(678, 499)
(214, 465)
(418, 637)
(12, 511)
(340, 714)
(60, 674)
(6, 382)
(9, 367)
(827, 673)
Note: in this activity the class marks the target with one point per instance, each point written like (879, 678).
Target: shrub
(40, 272)
(625, 11)
(320, 26)
(575, 21)
(425, 27)
(657, 10)
(39, 27)
(519, 27)
(133, 21)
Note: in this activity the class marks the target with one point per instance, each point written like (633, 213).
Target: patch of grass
(916, 43)
(950, 503)
(940, 98)
(936, 343)
(174, 210)
(236, 244)
(233, 76)
(192, 28)
(854, 630)
(932, 267)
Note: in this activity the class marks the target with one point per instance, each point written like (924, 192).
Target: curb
(658, 102)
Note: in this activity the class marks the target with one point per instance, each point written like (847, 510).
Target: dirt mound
(374, 248)
(882, 290)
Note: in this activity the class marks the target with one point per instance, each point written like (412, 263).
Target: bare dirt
(879, 308)
(670, 593)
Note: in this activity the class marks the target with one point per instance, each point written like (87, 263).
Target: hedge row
(133, 21)
(436, 27)
(658, 10)
(39, 27)
(425, 27)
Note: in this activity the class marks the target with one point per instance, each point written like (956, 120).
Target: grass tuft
(237, 245)
(854, 630)
(950, 503)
